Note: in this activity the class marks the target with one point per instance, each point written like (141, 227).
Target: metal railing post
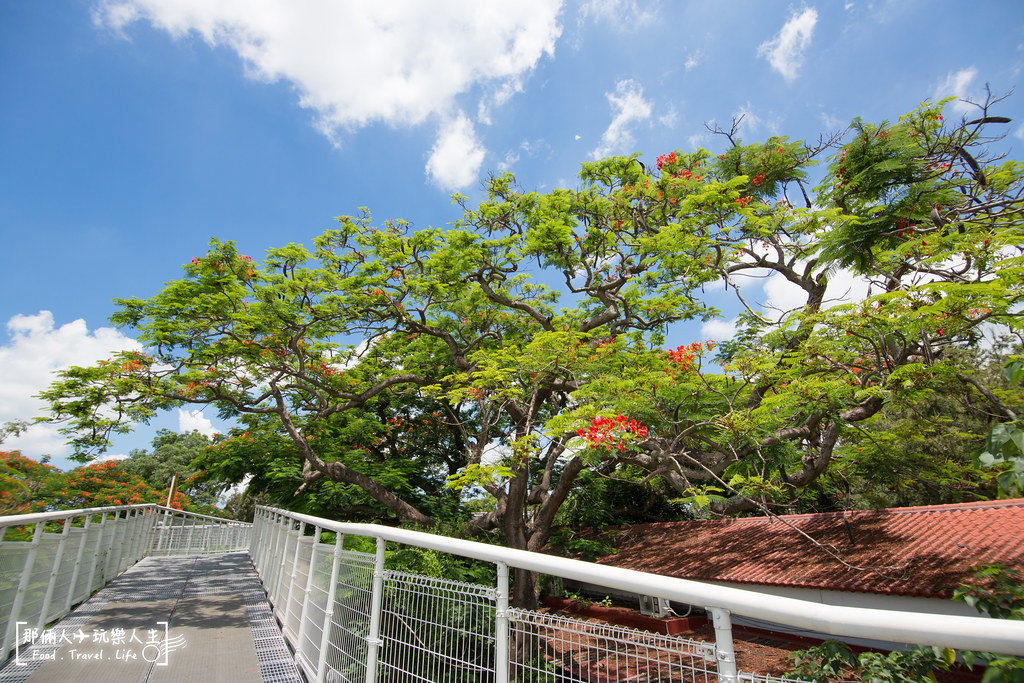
(283, 563)
(110, 546)
(77, 571)
(376, 605)
(136, 531)
(255, 539)
(501, 627)
(723, 640)
(332, 592)
(273, 567)
(122, 527)
(163, 533)
(58, 558)
(188, 541)
(96, 552)
(295, 570)
(152, 531)
(303, 615)
(19, 597)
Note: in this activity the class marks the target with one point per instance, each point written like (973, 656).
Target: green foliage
(371, 369)
(834, 661)
(1004, 444)
(997, 591)
(172, 454)
(22, 480)
(830, 661)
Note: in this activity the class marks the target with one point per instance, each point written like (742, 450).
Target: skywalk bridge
(146, 593)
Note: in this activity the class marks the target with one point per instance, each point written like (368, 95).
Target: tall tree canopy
(526, 342)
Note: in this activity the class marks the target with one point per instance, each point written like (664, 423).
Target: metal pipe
(726, 651)
(376, 605)
(501, 626)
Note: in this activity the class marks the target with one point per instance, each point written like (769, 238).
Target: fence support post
(96, 552)
(280, 572)
(55, 567)
(332, 592)
(295, 572)
(19, 597)
(77, 571)
(304, 614)
(723, 639)
(376, 605)
(501, 627)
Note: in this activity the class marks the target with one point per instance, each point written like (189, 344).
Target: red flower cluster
(609, 432)
(743, 201)
(758, 180)
(684, 354)
(666, 160)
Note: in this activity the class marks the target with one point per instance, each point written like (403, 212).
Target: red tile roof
(923, 551)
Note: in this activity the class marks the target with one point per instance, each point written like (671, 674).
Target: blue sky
(133, 131)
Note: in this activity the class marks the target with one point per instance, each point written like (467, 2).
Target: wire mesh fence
(552, 647)
(418, 645)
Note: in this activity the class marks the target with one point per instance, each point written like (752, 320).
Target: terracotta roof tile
(924, 551)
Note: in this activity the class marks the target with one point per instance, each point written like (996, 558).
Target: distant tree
(175, 453)
(22, 481)
(102, 483)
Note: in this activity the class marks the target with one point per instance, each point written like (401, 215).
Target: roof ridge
(945, 507)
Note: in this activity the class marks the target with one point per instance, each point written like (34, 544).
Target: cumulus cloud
(356, 64)
(37, 348)
(719, 330)
(958, 84)
(457, 155)
(628, 107)
(785, 52)
(193, 420)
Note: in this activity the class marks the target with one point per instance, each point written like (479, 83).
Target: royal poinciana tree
(521, 334)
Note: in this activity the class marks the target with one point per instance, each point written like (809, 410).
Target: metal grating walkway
(198, 618)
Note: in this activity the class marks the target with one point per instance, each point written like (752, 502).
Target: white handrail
(970, 633)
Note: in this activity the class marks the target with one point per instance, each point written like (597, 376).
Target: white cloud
(669, 118)
(719, 330)
(358, 63)
(832, 122)
(533, 150)
(1020, 133)
(457, 155)
(193, 420)
(698, 140)
(751, 123)
(785, 52)
(782, 296)
(621, 14)
(958, 84)
(693, 59)
(628, 107)
(36, 349)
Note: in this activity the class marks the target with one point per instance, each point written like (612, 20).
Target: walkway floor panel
(167, 619)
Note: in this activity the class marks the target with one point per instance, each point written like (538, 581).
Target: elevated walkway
(164, 595)
(194, 618)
